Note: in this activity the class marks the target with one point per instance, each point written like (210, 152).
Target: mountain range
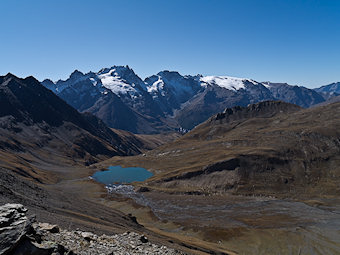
(170, 101)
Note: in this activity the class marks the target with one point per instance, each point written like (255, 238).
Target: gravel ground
(87, 243)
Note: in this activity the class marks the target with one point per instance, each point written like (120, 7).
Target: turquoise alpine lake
(118, 174)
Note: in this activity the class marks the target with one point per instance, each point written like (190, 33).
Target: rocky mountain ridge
(330, 88)
(168, 101)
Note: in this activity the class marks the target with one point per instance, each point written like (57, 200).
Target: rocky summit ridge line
(168, 100)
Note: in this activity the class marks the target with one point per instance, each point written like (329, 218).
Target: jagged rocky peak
(11, 79)
(261, 109)
(124, 72)
(114, 70)
(170, 74)
(76, 74)
(121, 80)
(8, 77)
(75, 77)
(47, 82)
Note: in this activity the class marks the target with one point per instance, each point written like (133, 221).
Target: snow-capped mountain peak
(121, 80)
(168, 98)
(111, 79)
(171, 80)
(227, 82)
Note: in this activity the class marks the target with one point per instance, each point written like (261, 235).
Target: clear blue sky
(284, 41)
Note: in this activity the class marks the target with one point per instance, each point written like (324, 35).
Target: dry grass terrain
(249, 180)
(148, 142)
(274, 150)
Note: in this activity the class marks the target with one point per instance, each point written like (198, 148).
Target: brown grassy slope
(148, 142)
(270, 148)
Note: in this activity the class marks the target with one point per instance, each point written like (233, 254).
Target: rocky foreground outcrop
(21, 234)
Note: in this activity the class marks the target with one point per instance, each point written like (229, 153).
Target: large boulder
(18, 235)
(14, 226)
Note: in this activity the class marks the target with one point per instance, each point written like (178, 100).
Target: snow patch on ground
(94, 82)
(266, 84)
(156, 86)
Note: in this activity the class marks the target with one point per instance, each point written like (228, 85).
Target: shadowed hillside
(36, 125)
